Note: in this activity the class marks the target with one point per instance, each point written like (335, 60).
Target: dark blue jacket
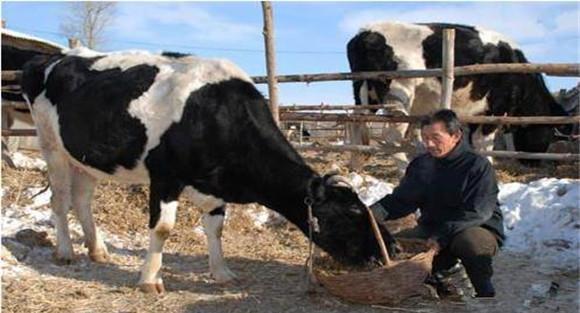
(453, 193)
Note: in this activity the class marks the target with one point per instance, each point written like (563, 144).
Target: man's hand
(433, 244)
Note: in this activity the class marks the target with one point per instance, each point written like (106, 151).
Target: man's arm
(404, 200)
(479, 202)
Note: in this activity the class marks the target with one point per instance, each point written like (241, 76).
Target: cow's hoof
(100, 257)
(152, 288)
(64, 259)
(225, 277)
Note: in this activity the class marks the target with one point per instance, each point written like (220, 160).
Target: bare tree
(88, 21)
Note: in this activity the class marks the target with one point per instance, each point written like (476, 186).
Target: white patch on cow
(163, 104)
(49, 69)
(491, 37)
(168, 213)
(212, 226)
(462, 103)
(364, 93)
(150, 273)
(482, 142)
(84, 52)
(406, 41)
(202, 201)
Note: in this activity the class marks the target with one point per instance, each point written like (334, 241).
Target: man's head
(441, 132)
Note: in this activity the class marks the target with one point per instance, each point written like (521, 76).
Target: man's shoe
(445, 289)
(484, 290)
(442, 274)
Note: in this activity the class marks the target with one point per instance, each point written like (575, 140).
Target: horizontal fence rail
(552, 69)
(511, 120)
(391, 150)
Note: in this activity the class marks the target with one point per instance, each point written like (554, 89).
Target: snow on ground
(542, 218)
(23, 161)
(38, 217)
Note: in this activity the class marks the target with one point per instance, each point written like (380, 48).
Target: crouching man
(456, 192)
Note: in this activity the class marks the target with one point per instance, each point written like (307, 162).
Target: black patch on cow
(95, 126)
(175, 55)
(369, 51)
(511, 94)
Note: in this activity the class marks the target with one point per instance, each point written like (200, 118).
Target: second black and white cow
(387, 46)
(183, 125)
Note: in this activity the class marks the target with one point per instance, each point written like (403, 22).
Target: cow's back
(107, 111)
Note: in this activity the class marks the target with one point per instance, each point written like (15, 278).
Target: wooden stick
(270, 59)
(551, 69)
(512, 120)
(14, 104)
(11, 75)
(447, 68)
(379, 237)
(19, 132)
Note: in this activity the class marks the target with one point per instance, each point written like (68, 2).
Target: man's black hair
(445, 116)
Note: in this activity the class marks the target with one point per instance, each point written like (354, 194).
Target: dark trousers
(474, 246)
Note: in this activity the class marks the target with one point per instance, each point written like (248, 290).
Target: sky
(311, 37)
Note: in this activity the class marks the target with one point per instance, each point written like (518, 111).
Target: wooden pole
(497, 120)
(270, 59)
(447, 67)
(74, 43)
(551, 69)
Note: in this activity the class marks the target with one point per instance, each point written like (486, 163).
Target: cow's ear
(316, 189)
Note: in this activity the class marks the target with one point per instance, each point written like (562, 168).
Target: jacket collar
(460, 148)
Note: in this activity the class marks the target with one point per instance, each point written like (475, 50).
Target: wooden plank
(330, 107)
(551, 69)
(11, 75)
(498, 120)
(270, 60)
(447, 68)
(15, 104)
(19, 132)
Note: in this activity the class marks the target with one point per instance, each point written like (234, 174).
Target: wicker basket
(386, 285)
(391, 284)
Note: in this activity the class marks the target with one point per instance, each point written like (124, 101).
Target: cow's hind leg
(163, 201)
(212, 225)
(83, 186)
(59, 174)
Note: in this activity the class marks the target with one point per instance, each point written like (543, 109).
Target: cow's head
(369, 51)
(344, 228)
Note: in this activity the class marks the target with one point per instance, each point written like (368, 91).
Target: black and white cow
(183, 125)
(390, 46)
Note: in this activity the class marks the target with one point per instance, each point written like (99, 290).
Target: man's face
(437, 140)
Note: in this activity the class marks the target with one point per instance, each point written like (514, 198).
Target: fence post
(270, 59)
(447, 68)
(74, 43)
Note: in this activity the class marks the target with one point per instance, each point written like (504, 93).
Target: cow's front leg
(212, 226)
(162, 210)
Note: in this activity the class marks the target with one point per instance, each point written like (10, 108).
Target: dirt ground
(269, 261)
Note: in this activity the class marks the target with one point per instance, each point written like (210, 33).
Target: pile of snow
(23, 161)
(542, 218)
(369, 188)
